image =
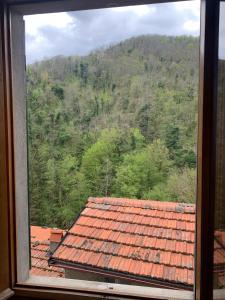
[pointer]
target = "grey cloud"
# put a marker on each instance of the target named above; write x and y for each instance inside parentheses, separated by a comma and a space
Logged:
(99, 28)
(168, 20)
(29, 38)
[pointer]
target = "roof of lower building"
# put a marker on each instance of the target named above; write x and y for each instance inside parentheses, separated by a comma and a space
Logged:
(146, 240)
(219, 258)
(40, 252)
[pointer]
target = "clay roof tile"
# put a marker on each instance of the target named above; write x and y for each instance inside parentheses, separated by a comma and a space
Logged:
(138, 237)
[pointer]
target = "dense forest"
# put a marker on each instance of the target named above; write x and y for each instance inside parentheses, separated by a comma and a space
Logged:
(118, 122)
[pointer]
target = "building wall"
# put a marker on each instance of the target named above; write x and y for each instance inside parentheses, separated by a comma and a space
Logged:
(75, 274)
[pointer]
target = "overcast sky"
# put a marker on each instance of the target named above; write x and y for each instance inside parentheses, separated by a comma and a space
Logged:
(78, 33)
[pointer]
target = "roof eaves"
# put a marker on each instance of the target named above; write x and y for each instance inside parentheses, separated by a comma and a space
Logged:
(121, 275)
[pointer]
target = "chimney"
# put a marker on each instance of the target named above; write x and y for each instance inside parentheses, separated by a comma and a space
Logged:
(55, 238)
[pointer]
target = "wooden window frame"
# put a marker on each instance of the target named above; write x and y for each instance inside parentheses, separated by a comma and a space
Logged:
(9, 283)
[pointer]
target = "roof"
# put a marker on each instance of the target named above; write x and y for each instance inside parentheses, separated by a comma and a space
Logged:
(40, 253)
(142, 239)
(219, 257)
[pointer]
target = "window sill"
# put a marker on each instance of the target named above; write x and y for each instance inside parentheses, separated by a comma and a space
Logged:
(219, 294)
(58, 287)
(6, 294)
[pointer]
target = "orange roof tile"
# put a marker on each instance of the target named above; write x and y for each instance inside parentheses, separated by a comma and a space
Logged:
(40, 252)
(147, 239)
(219, 257)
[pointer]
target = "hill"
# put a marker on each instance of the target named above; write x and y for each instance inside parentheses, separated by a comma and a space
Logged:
(119, 122)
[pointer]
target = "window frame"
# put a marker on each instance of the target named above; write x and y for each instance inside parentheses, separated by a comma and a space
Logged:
(206, 151)
(206, 161)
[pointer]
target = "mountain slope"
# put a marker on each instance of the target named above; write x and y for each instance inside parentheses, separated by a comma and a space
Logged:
(91, 118)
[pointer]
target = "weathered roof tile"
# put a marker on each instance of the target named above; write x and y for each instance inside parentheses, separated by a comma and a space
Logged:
(40, 253)
(143, 238)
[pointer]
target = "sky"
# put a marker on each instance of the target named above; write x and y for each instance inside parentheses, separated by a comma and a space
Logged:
(80, 32)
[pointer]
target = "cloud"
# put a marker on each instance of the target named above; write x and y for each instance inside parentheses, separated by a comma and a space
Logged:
(78, 33)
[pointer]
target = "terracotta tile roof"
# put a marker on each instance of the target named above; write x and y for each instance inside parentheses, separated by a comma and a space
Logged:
(142, 239)
(40, 253)
(219, 258)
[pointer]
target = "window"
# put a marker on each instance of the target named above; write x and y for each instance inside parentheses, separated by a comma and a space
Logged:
(113, 122)
(16, 58)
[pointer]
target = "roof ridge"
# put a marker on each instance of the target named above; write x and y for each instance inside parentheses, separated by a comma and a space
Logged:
(140, 213)
(145, 204)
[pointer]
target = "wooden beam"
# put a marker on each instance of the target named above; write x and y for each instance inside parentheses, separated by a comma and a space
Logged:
(29, 7)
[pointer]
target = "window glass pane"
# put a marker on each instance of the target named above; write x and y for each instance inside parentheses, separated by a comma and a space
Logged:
(219, 236)
(112, 116)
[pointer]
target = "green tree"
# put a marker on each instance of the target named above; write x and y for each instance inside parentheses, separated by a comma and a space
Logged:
(158, 192)
(99, 163)
(94, 123)
(181, 186)
(142, 170)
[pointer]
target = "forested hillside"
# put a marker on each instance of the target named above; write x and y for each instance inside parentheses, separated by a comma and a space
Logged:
(118, 122)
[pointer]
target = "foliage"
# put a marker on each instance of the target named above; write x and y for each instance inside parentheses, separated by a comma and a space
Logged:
(181, 186)
(117, 122)
(141, 170)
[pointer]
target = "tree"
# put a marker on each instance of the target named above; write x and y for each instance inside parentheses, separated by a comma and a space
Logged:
(142, 170)
(158, 192)
(181, 186)
(119, 121)
(58, 91)
(99, 163)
